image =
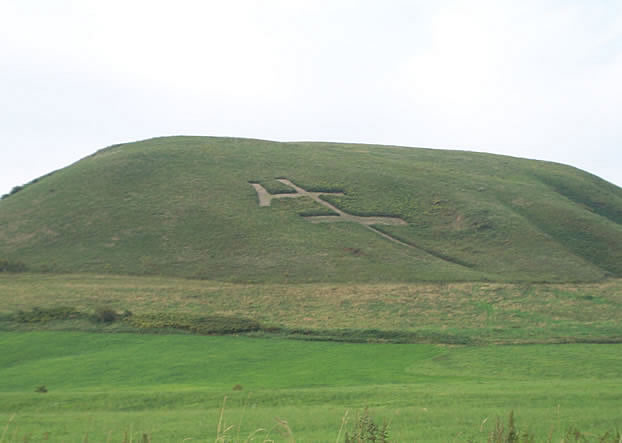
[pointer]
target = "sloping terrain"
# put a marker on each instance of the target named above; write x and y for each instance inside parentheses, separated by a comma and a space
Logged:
(189, 207)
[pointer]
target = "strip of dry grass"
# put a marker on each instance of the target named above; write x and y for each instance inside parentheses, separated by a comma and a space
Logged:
(488, 312)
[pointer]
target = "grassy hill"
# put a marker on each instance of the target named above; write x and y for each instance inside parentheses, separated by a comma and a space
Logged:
(186, 207)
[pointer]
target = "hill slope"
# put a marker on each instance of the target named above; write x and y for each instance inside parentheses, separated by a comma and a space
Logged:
(190, 207)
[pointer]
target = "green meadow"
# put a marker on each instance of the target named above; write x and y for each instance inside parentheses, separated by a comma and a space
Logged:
(149, 293)
(111, 387)
(547, 352)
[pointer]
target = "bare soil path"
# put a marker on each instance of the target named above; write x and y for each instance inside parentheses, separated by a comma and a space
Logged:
(265, 199)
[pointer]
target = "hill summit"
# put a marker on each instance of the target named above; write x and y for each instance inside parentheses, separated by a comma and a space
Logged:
(258, 211)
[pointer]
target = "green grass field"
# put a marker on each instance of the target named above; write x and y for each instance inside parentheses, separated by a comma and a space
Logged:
(501, 292)
(476, 313)
(172, 387)
(183, 206)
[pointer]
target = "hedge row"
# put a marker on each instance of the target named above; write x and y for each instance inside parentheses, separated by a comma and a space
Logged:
(206, 325)
(185, 322)
(12, 266)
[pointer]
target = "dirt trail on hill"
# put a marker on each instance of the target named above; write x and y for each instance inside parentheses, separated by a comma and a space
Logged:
(265, 199)
(342, 216)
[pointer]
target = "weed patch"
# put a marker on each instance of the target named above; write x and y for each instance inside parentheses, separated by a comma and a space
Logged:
(12, 266)
(366, 430)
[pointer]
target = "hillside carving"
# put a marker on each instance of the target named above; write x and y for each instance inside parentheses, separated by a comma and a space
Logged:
(265, 199)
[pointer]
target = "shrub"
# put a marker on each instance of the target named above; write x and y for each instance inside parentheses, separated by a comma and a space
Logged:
(12, 266)
(105, 315)
(16, 189)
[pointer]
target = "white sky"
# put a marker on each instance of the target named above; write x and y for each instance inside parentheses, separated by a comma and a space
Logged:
(536, 79)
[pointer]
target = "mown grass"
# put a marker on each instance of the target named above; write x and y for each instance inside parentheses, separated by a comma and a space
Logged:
(445, 313)
(183, 206)
(172, 387)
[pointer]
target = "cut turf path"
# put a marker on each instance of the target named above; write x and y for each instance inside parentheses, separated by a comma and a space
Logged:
(265, 199)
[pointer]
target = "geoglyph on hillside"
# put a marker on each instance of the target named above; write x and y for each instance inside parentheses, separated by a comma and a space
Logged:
(265, 199)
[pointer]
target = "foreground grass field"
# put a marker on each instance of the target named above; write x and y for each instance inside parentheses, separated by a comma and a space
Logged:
(107, 386)
(474, 313)
(115, 386)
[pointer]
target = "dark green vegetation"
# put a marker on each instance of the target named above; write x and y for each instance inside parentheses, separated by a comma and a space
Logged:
(172, 387)
(12, 266)
(183, 206)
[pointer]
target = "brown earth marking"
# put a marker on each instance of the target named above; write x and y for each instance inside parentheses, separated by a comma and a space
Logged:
(265, 199)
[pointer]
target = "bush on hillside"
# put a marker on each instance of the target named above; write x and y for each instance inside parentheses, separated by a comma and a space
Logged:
(15, 190)
(12, 266)
(105, 315)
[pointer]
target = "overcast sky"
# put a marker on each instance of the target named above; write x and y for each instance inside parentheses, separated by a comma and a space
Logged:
(536, 79)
